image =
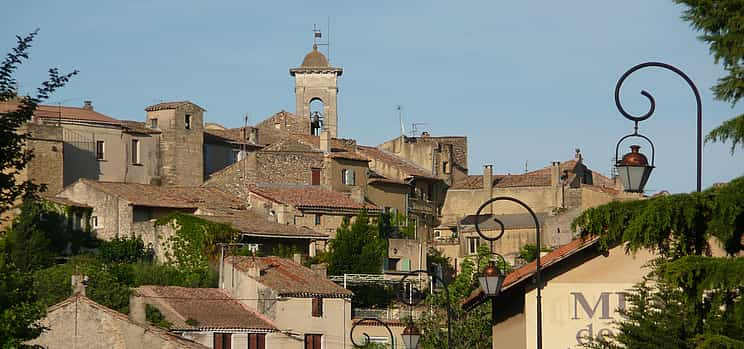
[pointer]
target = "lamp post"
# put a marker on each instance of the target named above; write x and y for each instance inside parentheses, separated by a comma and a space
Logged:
(634, 169)
(411, 333)
(492, 278)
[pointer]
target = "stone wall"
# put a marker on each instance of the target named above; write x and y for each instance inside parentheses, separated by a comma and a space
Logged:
(181, 148)
(283, 167)
(47, 165)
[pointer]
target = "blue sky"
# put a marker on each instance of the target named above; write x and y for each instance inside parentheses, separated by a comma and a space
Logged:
(526, 81)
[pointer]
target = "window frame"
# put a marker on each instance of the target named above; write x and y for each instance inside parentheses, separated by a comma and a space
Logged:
(348, 177)
(154, 123)
(471, 250)
(318, 219)
(317, 307)
(187, 120)
(259, 339)
(225, 340)
(135, 144)
(316, 339)
(101, 155)
(94, 222)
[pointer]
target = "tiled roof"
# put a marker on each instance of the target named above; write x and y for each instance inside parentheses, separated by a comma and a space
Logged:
(469, 182)
(347, 155)
(537, 178)
(176, 340)
(64, 113)
(228, 135)
(252, 223)
(172, 197)
(171, 105)
(404, 166)
(288, 278)
(510, 221)
(64, 202)
(138, 127)
(211, 308)
(307, 196)
(529, 269)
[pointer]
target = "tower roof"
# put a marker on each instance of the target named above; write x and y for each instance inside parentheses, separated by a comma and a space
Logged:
(315, 59)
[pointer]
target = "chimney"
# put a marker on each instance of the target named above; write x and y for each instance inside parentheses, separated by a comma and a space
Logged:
(578, 155)
(88, 105)
(357, 194)
(137, 311)
(487, 177)
(325, 141)
(555, 174)
(253, 135)
(297, 258)
(320, 269)
(79, 282)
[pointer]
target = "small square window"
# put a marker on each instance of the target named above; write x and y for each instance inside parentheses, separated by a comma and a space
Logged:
(347, 177)
(153, 123)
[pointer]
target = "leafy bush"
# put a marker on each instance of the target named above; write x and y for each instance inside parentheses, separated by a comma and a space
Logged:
(122, 250)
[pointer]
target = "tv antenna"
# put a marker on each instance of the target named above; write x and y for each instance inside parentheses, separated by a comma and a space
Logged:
(399, 108)
(318, 35)
(415, 128)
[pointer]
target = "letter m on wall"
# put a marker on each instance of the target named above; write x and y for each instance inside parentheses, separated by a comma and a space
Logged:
(602, 304)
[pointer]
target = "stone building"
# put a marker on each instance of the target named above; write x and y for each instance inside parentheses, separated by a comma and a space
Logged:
(444, 157)
(209, 316)
(316, 92)
(309, 309)
(79, 322)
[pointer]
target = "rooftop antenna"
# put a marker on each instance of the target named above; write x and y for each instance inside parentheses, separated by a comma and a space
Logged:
(399, 108)
(317, 35)
(526, 163)
(244, 148)
(414, 128)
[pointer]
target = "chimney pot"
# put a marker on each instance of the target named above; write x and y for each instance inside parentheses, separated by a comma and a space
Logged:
(88, 105)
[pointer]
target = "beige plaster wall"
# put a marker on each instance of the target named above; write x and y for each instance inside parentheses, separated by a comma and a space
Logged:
(413, 250)
(333, 170)
(114, 215)
(334, 325)
(379, 332)
(388, 195)
(79, 325)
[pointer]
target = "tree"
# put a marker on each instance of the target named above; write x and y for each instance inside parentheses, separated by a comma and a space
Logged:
(720, 21)
(14, 156)
(705, 292)
(357, 248)
(19, 308)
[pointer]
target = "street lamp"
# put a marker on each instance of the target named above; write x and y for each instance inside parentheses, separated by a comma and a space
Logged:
(491, 279)
(634, 169)
(411, 335)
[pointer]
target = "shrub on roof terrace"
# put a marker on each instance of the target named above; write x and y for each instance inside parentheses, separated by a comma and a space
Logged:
(194, 243)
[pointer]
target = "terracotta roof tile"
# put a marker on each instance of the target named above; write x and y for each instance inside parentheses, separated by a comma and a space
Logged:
(537, 178)
(347, 155)
(228, 135)
(65, 202)
(529, 269)
(171, 105)
(138, 127)
(211, 308)
(404, 166)
(64, 113)
(176, 340)
(252, 223)
(307, 196)
(288, 278)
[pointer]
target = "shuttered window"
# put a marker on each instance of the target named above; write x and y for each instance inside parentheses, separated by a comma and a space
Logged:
(256, 341)
(317, 307)
(222, 341)
(312, 341)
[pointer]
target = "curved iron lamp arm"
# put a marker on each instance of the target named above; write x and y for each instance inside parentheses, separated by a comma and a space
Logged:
(366, 336)
(652, 108)
(537, 255)
(446, 294)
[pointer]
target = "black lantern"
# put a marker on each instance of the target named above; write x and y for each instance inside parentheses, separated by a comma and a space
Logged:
(411, 336)
(634, 170)
(491, 279)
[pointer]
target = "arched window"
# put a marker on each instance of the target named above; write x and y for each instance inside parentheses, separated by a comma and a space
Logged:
(316, 116)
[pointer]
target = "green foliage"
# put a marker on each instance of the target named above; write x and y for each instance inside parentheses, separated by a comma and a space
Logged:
(469, 329)
(396, 226)
(675, 225)
(720, 24)
(528, 252)
(195, 241)
(14, 156)
(122, 250)
(357, 248)
(372, 296)
(19, 307)
(285, 251)
(155, 317)
(438, 262)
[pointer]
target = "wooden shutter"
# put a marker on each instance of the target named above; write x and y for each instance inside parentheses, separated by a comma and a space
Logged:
(315, 180)
(222, 341)
(317, 307)
(256, 341)
(312, 341)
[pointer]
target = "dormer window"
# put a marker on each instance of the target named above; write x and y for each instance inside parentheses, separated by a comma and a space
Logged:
(187, 121)
(347, 177)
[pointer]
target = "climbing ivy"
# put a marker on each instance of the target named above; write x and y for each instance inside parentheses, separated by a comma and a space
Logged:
(194, 242)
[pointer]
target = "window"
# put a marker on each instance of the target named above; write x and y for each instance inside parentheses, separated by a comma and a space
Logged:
(347, 177)
(445, 168)
(153, 123)
(317, 219)
(312, 341)
(187, 121)
(473, 243)
(100, 149)
(256, 341)
(135, 151)
(94, 222)
(315, 177)
(142, 214)
(317, 306)
(222, 341)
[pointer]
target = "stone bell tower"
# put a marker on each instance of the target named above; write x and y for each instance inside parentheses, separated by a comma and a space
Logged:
(316, 80)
